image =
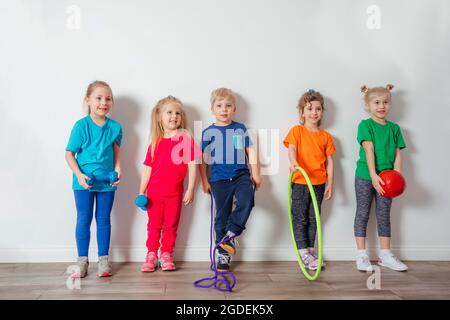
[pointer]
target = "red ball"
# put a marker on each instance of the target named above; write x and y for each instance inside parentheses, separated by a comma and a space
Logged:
(394, 183)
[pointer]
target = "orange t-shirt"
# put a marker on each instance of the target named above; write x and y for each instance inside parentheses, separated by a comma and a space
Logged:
(313, 148)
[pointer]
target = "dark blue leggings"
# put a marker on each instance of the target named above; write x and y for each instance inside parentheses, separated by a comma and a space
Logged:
(84, 200)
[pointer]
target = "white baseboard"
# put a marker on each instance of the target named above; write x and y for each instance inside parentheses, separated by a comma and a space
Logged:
(137, 254)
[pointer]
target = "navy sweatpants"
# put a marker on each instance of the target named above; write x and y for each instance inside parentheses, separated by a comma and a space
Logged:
(227, 219)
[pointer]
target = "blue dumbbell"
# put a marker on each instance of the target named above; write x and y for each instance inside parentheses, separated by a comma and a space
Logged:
(141, 202)
(111, 177)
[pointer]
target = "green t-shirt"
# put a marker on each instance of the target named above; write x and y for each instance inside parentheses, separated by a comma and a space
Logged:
(385, 138)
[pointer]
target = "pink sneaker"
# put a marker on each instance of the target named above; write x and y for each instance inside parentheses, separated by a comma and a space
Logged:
(151, 262)
(167, 262)
(312, 251)
(309, 261)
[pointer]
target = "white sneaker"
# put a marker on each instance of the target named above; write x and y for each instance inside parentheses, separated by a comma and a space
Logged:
(390, 261)
(363, 262)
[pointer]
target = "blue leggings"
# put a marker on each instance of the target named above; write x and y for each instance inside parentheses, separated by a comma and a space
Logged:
(84, 200)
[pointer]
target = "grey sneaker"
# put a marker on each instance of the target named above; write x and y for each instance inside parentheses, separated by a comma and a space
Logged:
(104, 269)
(83, 264)
(223, 262)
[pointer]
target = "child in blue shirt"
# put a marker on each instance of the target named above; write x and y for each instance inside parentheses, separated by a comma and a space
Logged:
(93, 149)
(228, 150)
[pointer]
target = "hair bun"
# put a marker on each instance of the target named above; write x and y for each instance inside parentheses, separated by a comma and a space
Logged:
(364, 89)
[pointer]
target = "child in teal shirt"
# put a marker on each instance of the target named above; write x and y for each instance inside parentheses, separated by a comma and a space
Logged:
(93, 149)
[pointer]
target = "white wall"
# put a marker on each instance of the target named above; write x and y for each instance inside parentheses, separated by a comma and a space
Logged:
(269, 52)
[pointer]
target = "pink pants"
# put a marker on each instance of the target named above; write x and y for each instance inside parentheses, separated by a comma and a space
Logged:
(163, 218)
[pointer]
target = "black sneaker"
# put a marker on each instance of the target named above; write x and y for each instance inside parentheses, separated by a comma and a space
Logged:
(223, 262)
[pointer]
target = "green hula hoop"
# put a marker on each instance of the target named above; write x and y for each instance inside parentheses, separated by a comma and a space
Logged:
(319, 225)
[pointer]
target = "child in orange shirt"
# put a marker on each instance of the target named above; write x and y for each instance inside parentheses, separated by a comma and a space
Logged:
(311, 148)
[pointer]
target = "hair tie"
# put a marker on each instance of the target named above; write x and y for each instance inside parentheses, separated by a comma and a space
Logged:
(311, 91)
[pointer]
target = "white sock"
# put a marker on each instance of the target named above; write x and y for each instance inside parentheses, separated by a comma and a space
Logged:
(230, 234)
(384, 252)
(362, 252)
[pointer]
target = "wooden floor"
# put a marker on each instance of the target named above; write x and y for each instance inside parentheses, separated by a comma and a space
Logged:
(255, 280)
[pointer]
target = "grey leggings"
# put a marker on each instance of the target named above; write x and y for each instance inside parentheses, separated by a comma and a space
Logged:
(364, 196)
(303, 217)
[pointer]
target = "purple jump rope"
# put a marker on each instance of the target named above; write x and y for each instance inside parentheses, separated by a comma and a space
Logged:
(219, 277)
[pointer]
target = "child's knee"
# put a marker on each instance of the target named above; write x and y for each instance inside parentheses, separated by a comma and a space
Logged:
(247, 203)
(84, 222)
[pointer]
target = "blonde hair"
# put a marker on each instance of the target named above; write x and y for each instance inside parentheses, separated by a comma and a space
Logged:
(370, 92)
(157, 130)
(92, 86)
(306, 99)
(222, 93)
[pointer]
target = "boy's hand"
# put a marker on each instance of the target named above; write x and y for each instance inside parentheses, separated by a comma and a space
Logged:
(328, 192)
(188, 197)
(257, 180)
(377, 182)
(293, 168)
(82, 180)
(119, 177)
(206, 187)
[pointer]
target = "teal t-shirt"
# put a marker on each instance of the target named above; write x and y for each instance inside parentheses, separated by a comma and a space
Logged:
(94, 149)
(385, 138)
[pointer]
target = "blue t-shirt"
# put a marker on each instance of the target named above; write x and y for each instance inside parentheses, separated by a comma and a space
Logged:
(226, 147)
(94, 149)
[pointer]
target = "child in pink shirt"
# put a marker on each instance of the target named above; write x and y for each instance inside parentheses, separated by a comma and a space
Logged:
(170, 156)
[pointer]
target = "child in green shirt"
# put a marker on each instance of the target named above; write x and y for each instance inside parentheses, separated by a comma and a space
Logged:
(380, 144)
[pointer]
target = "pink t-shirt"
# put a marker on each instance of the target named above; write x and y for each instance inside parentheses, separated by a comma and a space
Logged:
(169, 164)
